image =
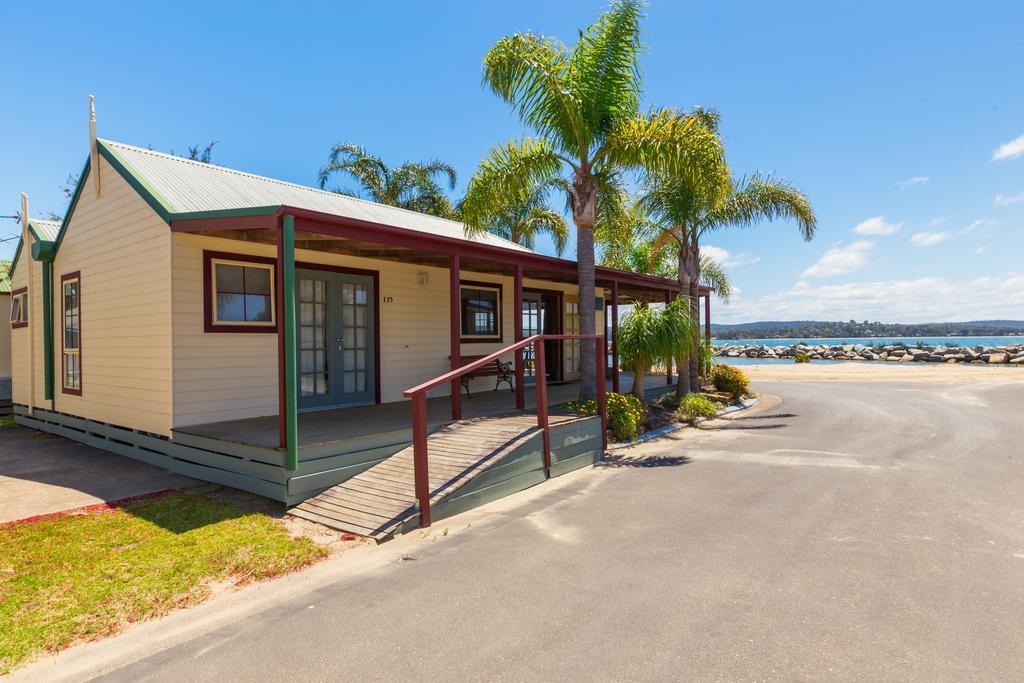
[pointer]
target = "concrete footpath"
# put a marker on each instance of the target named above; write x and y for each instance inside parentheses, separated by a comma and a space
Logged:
(41, 474)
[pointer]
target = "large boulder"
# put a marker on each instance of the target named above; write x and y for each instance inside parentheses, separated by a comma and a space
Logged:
(998, 357)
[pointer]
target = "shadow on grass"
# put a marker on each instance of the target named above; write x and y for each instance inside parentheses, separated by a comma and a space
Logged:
(623, 460)
(180, 512)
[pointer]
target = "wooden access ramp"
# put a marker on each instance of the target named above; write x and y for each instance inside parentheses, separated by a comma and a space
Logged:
(470, 463)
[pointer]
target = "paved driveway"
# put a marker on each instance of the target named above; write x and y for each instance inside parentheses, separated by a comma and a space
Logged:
(870, 531)
(41, 473)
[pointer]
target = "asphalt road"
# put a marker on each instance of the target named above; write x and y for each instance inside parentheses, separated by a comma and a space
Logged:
(868, 531)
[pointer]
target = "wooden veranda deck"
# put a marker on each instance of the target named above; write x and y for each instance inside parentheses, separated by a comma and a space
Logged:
(341, 424)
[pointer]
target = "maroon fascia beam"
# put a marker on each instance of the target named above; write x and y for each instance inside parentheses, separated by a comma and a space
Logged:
(368, 231)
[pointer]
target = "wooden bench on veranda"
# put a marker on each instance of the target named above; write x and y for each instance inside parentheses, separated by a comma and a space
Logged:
(501, 370)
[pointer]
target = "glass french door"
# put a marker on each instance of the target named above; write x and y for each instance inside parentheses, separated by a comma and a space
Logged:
(532, 324)
(336, 344)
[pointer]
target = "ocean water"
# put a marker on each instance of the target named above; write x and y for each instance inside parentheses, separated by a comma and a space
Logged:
(879, 341)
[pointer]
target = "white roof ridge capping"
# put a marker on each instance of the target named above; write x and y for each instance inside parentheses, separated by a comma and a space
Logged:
(48, 228)
(188, 186)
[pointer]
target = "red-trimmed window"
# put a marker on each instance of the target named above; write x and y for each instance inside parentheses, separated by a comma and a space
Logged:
(480, 307)
(71, 350)
(239, 293)
(19, 308)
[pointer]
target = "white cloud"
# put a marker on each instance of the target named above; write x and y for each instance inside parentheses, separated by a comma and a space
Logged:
(1007, 200)
(936, 222)
(841, 260)
(981, 250)
(1011, 150)
(877, 226)
(927, 239)
(916, 180)
(980, 223)
(727, 259)
(927, 299)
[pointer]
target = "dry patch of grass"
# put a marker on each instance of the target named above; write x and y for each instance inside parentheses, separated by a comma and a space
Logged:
(81, 577)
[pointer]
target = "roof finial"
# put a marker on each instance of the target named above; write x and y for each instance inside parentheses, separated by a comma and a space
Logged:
(94, 157)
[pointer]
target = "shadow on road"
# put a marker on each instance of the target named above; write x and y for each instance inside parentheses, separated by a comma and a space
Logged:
(617, 460)
(739, 422)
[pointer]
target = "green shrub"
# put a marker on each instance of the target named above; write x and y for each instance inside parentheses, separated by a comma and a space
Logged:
(730, 379)
(696, 405)
(668, 401)
(802, 357)
(625, 414)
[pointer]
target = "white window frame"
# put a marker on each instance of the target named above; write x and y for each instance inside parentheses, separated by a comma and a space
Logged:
(215, 314)
(21, 299)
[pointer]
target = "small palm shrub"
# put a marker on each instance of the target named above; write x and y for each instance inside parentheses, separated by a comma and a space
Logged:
(730, 379)
(706, 360)
(696, 405)
(625, 414)
(802, 357)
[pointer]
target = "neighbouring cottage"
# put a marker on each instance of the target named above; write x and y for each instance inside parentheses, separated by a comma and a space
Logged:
(151, 323)
(5, 337)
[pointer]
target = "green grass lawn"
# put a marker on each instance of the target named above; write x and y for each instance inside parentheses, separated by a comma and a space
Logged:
(81, 577)
(6, 421)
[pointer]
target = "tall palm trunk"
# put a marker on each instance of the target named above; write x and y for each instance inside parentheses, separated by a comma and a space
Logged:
(694, 362)
(639, 379)
(683, 382)
(584, 215)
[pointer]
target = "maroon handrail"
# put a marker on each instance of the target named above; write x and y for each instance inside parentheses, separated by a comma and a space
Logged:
(418, 394)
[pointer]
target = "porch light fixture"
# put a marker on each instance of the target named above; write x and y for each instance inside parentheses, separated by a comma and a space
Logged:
(424, 277)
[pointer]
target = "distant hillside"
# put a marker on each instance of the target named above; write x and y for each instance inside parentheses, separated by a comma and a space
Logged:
(774, 329)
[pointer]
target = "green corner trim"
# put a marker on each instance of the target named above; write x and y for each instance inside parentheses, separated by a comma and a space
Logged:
(74, 203)
(14, 261)
(288, 328)
(145, 190)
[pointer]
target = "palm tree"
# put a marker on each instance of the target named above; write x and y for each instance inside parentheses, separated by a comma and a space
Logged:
(412, 185)
(634, 247)
(582, 105)
(522, 220)
(688, 212)
(648, 335)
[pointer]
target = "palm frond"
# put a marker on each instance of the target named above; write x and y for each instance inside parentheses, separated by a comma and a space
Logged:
(509, 174)
(713, 275)
(668, 142)
(755, 198)
(543, 221)
(605, 68)
(530, 73)
(370, 171)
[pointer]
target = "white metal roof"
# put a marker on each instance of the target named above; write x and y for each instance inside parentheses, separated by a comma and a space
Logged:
(46, 230)
(186, 186)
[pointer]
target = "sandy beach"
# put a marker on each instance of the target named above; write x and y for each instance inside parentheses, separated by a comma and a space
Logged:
(881, 371)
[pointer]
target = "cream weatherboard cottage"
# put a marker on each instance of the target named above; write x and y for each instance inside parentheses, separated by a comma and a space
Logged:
(155, 322)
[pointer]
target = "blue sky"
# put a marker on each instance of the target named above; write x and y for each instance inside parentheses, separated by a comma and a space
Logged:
(889, 115)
